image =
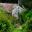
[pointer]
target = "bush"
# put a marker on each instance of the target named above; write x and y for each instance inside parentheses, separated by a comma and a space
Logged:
(8, 22)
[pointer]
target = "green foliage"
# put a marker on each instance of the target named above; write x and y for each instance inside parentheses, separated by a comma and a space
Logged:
(27, 15)
(26, 21)
(8, 22)
(5, 21)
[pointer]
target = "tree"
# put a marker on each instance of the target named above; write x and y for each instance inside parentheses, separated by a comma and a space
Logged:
(26, 3)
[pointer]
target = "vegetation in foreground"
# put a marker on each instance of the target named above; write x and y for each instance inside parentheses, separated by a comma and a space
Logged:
(9, 23)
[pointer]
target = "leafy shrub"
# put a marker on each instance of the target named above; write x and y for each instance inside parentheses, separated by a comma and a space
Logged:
(8, 23)
(26, 21)
(5, 21)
